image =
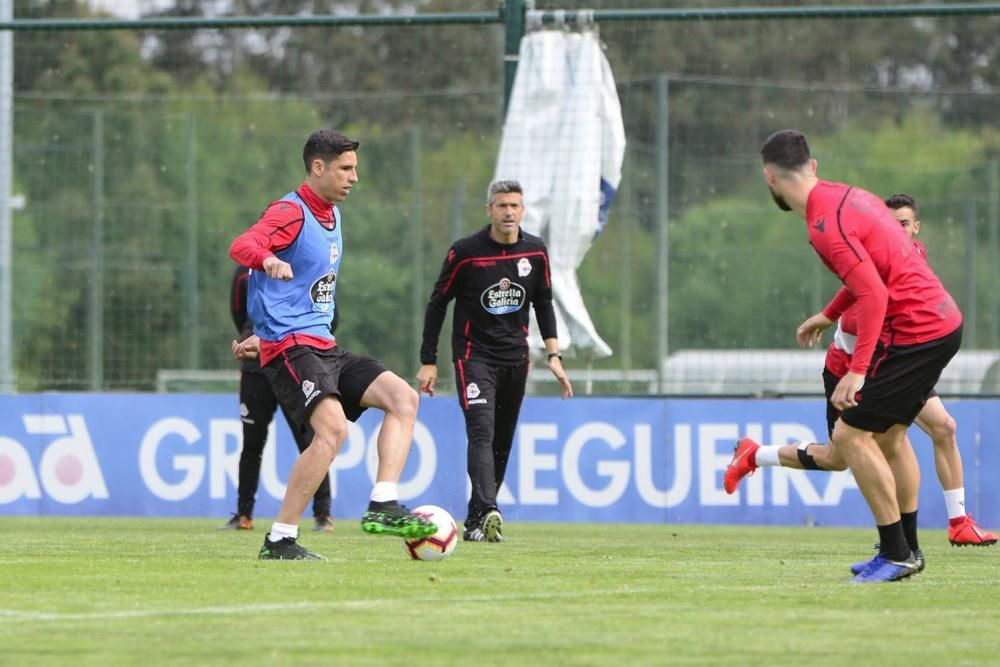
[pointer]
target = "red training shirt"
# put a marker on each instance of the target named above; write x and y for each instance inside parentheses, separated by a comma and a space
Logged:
(838, 361)
(898, 297)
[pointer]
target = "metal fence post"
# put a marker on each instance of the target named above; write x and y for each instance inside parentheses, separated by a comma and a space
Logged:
(95, 309)
(513, 19)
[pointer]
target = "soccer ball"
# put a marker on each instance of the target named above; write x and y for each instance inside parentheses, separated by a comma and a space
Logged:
(441, 544)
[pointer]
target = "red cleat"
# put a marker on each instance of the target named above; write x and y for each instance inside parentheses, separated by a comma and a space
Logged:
(744, 463)
(963, 531)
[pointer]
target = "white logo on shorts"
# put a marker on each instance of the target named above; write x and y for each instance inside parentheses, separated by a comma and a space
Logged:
(309, 389)
(472, 390)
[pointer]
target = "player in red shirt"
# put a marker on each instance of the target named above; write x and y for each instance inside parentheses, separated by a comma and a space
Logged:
(933, 418)
(909, 328)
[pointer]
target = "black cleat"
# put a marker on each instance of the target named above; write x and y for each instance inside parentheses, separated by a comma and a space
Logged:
(473, 535)
(391, 518)
(285, 549)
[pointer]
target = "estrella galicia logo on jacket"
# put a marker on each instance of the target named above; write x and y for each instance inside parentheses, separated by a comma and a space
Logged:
(310, 390)
(321, 292)
(503, 297)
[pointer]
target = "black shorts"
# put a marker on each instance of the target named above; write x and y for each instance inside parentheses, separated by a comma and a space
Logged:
(899, 381)
(302, 375)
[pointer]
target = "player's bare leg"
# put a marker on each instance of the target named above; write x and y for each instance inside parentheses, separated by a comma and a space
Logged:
(935, 421)
(385, 516)
(330, 427)
(905, 470)
(397, 399)
(871, 471)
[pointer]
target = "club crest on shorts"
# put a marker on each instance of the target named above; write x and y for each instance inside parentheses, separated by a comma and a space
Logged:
(503, 297)
(310, 391)
(472, 390)
(523, 267)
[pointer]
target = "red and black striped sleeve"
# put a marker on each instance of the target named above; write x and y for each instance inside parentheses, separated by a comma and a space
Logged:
(276, 229)
(545, 313)
(437, 306)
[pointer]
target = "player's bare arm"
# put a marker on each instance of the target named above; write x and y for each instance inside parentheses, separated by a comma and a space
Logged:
(810, 331)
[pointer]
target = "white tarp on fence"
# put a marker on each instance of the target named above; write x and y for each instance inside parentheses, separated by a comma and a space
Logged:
(564, 140)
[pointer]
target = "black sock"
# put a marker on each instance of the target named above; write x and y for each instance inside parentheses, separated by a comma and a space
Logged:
(909, 520)
(893, 541)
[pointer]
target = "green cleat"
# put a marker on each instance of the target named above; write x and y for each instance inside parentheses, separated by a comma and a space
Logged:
(391, 518)
(286, 549)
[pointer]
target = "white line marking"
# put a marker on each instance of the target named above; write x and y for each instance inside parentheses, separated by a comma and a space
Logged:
(9, 616)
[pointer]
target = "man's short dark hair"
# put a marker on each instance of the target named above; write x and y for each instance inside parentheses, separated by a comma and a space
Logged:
(502, 187)
(786, 149)
(901, 200)
(326, 145)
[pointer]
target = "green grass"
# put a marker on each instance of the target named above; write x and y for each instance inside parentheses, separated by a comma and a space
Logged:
(177, 592)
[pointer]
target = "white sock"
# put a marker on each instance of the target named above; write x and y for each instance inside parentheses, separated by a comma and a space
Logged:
(954, 500)
(282, 530)
(384, 492)
(768, 455)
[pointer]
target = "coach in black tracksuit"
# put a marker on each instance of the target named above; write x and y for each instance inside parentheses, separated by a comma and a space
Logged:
(257, 406)
(493, 276)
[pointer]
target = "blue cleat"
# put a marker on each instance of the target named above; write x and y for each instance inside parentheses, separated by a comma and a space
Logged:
(859, 567)
(880, 570)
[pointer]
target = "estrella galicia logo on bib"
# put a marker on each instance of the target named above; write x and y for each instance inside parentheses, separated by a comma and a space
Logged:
(321, 292)
(503, 297)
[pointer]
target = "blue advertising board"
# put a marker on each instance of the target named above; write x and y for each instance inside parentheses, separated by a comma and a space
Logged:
(585, 459)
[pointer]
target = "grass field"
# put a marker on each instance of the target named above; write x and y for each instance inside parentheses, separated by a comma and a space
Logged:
(177, 592)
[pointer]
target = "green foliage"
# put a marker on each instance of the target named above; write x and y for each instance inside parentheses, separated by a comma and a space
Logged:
(742, 273)
(173, 142)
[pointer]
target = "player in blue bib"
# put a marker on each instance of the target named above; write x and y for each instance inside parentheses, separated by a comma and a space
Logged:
(294, 253)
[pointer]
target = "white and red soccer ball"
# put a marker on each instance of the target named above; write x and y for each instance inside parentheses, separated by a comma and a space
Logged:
(441, 544)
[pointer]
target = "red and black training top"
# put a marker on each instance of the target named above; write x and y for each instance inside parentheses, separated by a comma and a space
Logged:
(899, 299)
(492, 284)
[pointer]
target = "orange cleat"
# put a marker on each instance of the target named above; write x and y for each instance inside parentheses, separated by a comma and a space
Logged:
(744, 463)
(238, 522)
(963, 531)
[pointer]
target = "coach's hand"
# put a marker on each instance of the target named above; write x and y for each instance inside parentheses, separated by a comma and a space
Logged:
(427, 377)
(277, 269)
(566, 387)
(810, 331)
(845, 393)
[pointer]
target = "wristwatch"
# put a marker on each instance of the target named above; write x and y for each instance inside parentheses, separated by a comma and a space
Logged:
(555, 354)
